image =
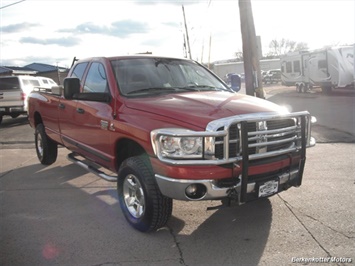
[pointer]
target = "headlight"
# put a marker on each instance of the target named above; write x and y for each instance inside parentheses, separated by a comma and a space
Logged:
(191, 145)
(181, 147)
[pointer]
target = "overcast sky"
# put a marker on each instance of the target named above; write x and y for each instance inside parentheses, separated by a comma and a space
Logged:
(53, 32)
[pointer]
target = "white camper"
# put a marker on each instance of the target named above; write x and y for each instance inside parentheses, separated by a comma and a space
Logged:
(326, 68)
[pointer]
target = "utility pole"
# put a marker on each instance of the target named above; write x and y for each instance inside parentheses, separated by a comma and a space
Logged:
(184, 46)
(209, 52)
(187, 34)
(253, 80)
(58, 74)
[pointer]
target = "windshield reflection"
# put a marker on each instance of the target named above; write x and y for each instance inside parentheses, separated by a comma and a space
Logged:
(149, 76)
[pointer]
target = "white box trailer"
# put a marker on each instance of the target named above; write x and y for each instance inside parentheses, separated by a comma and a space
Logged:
(327, 68)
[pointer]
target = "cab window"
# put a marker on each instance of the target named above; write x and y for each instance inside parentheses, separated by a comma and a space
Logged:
(96, 79)
(79, 70)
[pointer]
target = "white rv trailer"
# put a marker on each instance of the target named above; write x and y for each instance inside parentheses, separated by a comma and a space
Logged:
(326, 68)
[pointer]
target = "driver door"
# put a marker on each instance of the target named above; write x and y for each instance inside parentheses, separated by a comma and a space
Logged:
(94, 118)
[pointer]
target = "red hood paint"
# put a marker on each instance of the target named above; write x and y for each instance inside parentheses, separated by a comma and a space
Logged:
(199, 108)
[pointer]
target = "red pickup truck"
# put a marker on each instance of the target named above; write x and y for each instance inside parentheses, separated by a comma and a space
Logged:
(166, 129)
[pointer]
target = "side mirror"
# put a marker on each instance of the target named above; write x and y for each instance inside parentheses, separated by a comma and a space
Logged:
(57, 90)
(235, 82)
(71, 87)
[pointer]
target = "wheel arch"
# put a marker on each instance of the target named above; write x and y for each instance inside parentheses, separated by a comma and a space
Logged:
(37, 119)
(126, 148)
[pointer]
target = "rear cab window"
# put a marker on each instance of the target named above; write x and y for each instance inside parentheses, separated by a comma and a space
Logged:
(7, 84)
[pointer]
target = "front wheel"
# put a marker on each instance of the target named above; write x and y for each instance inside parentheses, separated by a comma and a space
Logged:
(141, 201)
(46, 149)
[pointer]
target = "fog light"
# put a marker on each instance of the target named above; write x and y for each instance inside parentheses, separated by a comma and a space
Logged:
(191, 190)
(195, 191)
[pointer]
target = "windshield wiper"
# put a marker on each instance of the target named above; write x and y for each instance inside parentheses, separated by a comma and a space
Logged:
(205, 87)
(201, 86)
(176, 89)
(153, 89)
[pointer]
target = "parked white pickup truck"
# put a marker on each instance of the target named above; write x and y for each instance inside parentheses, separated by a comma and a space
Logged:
(14, 91)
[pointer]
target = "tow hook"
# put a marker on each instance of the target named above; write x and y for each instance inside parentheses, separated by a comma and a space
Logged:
(233, 194)
(232, 199)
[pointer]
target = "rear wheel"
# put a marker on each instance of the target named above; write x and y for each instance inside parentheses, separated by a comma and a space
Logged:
(46, 149)
(15, 115)
(299, 88)
(304, 88)
(141, 201)
(327, 89)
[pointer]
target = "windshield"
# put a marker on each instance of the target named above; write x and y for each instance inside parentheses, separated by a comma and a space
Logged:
(149, 76)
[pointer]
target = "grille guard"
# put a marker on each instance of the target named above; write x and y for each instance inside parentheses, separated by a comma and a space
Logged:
(302, 140)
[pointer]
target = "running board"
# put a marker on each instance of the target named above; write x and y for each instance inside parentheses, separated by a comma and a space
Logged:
(91, 169)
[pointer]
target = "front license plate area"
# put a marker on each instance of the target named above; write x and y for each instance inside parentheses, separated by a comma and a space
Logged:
(268, 188)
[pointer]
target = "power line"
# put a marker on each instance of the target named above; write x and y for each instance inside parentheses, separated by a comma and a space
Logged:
(12, 4)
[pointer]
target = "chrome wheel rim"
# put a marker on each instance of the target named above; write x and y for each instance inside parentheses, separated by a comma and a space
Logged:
(39, 145)
(134, 196)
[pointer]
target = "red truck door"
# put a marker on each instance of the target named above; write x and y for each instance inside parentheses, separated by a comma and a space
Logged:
(68, 127)
(51, 116)
(94, 118)
(67, 110)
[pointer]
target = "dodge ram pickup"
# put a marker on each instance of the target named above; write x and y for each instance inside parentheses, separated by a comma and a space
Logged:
(168, 128)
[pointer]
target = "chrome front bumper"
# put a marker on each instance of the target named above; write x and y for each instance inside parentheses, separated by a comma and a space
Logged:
(176, 188)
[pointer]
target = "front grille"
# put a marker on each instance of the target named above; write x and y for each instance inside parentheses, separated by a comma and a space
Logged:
(263, 137)
(234, 142)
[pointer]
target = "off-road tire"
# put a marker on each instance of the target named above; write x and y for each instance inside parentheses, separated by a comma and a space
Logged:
(155, 208)
(46, 149)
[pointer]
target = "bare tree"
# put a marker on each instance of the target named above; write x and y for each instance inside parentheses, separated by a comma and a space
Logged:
(301, 46)
(283, 46)
(239, 56)
(275, 47)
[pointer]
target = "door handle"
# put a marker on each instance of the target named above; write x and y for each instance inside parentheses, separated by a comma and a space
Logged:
(61, 106)
(80, 110)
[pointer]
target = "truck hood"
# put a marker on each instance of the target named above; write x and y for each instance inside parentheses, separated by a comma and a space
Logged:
(199, 108)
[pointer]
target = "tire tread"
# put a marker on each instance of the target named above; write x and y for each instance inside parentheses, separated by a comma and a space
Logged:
(50, 148)
(161, 206)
